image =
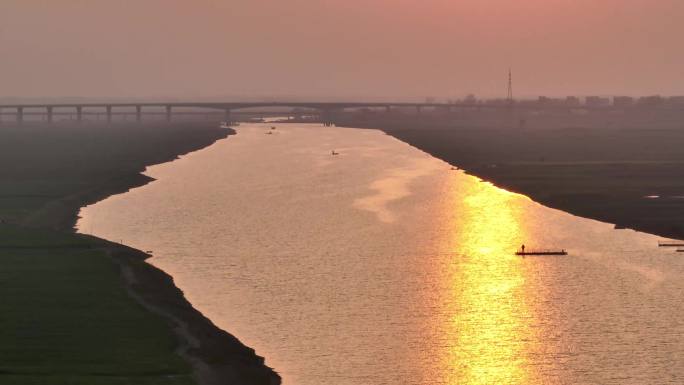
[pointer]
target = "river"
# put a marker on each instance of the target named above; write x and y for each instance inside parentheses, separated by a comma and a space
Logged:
(383, 265)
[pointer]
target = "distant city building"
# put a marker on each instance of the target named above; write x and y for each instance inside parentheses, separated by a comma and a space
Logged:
(676, 101)
(572, 101)
(526, 102)
(651, 101)
(597, 101)
(470, 99)
(546, 101)
(623, 101)
(497, 102)
(560, 102)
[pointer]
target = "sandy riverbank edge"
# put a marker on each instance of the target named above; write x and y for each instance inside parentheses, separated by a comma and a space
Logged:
(669, 226)
(216, 356)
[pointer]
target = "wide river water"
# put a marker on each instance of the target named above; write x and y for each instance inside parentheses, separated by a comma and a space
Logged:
(383, 265)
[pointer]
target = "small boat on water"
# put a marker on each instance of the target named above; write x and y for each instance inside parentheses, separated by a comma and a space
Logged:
(524, 252)
(670, 244)
(334, 153)
(680, 250)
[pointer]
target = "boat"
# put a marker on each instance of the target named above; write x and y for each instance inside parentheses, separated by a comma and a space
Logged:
(334, 153)
(670, 244)
(541, 252)
(680, 250)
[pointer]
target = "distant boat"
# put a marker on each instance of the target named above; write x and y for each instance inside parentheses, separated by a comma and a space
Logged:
(670, 244)
(273, 128)
(680, 250)
(334, 153)
(541, 252)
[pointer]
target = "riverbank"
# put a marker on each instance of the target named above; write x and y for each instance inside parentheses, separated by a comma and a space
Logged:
(632, 178)
(72, 303)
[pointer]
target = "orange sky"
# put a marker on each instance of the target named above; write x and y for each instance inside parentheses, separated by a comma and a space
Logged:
(339, 48)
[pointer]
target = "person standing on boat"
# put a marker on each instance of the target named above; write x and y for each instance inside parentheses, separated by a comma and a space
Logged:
(522, 248)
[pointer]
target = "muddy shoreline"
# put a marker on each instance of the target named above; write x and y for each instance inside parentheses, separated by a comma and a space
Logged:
(216, 356)
(629, 173)
(631, 178)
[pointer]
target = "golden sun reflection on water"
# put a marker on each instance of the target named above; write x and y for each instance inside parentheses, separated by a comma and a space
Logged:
(490, 317)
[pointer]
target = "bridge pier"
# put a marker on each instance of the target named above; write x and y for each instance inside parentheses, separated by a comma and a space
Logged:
(388, 109)
(49, 114)
(109, 113)
(419, 110)
(20, 115)
(168, 113)
(79, 113)
(138, 113)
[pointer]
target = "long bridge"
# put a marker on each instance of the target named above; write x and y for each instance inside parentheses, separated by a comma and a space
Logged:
(326, 109)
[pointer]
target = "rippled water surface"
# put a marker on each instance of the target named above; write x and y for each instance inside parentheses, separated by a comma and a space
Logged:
(382, 265)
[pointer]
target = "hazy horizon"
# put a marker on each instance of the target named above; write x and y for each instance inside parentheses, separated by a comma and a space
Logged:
(338, 49)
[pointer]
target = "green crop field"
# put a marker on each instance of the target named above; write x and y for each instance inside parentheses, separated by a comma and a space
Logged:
(65, 315)
(67, 319)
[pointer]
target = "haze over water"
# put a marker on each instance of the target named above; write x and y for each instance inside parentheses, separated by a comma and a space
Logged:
(383, 266)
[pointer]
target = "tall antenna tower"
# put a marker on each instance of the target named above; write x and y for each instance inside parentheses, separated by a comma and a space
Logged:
(509, 97)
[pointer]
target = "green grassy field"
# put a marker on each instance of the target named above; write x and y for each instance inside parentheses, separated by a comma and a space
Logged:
(65, 315)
